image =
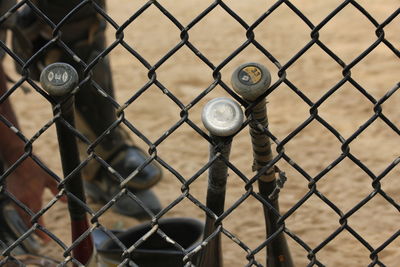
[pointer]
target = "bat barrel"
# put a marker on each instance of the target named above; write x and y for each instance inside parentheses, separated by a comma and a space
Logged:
(59, 80)
(223, 118)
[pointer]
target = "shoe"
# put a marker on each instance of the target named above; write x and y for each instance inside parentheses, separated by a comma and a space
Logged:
(31, 260)
(105, 186)
(125, 205)
(126, 161)
(12, 227)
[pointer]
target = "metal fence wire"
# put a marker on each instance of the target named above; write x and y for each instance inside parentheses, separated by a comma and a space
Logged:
(328, 233)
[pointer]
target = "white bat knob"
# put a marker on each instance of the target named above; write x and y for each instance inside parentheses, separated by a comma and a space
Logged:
(222, 116)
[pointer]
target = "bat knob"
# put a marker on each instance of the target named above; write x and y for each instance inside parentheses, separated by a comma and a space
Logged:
(59, 79)
(222, 116)
(250, 80)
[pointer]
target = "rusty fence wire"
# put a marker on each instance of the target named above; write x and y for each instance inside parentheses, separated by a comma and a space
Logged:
(10, 250)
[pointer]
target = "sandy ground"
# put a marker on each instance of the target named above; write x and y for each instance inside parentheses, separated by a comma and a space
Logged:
(283, 34)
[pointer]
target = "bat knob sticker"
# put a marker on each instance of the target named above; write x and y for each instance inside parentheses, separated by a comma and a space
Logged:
(250, 80)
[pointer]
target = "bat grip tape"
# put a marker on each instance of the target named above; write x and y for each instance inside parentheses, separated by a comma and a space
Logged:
(261, 143)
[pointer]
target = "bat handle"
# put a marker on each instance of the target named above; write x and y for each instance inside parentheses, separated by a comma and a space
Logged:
(251, 80)
(211, 255)
(278, 254)
(59, 80)
(223, 118)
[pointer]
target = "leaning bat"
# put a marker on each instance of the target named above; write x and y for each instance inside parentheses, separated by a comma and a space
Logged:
(222, 117)
(59, 79)
(251, 80)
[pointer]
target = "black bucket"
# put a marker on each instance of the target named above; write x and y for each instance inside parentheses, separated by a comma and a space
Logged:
(155, 251)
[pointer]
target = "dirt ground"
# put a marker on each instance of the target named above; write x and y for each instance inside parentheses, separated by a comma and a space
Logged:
(283, 34)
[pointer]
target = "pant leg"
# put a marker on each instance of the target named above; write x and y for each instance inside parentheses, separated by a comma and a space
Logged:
(84, 34)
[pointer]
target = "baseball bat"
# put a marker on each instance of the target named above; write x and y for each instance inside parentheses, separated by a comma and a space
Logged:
(251, 80)
(58, 80)
(222, 117)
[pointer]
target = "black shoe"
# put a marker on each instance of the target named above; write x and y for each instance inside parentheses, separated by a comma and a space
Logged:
(105, 186)
(12, 227)
(126, 161)
(125, 205)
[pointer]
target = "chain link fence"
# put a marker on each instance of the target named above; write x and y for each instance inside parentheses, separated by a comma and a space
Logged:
(333, 112)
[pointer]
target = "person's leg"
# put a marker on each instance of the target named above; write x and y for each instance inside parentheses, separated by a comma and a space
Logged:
(27, 181)
(84, 34)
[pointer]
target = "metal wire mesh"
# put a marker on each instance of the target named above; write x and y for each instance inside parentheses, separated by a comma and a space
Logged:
(305, 252)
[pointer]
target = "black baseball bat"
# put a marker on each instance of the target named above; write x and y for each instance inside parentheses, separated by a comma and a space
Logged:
(222, 117)
(59, 79)
(251, 80)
